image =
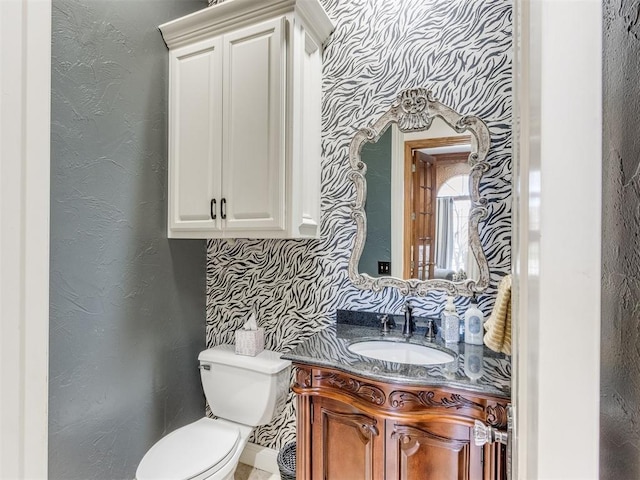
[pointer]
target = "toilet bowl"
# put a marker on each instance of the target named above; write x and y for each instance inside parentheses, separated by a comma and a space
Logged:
(243, 392)
(205, 449)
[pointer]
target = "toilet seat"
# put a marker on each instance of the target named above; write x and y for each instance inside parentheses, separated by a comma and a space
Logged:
(193, 452)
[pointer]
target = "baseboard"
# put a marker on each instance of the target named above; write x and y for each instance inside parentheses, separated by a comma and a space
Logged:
(260, 457)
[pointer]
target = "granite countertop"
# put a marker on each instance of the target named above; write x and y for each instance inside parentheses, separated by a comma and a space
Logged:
(475, 367)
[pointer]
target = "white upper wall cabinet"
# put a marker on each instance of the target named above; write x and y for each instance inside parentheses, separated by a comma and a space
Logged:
(244, 119)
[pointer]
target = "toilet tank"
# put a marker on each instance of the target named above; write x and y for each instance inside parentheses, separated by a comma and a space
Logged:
(243, 389)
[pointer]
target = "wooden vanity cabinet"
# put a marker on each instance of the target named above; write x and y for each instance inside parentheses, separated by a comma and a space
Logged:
(355, 428)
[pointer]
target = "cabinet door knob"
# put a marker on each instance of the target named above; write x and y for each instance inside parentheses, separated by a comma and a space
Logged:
(212, 209)
(223, 208)
(483, 434)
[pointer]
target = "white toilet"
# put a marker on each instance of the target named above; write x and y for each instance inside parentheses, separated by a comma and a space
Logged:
(243, 392)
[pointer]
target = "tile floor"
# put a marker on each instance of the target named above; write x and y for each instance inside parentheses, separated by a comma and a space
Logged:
(247, 472)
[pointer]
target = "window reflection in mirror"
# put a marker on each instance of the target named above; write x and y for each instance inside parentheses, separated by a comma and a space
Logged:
(418, 205)
(452, 222)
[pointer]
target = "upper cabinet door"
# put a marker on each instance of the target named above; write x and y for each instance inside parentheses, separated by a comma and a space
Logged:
(195, 105)
(253, 145)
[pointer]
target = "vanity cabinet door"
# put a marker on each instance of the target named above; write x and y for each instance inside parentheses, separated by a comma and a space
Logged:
(434, 450)
(346, 443)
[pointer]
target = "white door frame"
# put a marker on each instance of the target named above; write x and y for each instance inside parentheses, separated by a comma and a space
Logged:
(25, 93)
(557, 237)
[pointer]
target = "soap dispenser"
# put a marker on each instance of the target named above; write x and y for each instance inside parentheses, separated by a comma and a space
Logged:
(473, 324)
(450, 323)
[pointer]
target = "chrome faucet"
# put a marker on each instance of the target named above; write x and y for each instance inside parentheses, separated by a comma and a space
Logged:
(409, 324)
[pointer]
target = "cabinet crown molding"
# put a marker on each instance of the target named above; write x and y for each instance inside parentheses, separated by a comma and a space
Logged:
(231, 14)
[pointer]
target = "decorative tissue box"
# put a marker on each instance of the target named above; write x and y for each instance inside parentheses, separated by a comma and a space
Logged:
(249, 342)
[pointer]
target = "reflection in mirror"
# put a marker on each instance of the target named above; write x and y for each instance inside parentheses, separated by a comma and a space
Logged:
(435, 209)
(419, 227)
(453, 258)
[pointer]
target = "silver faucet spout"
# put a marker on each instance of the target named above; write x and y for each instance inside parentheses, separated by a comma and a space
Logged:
(409, 324)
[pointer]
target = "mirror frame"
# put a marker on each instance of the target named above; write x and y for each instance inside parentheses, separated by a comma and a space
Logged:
(413, 110)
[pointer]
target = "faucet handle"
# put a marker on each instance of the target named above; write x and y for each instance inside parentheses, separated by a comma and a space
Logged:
(432, 329)
(385, 324)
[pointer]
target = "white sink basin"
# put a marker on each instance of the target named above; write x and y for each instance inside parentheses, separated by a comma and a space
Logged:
(400, 352)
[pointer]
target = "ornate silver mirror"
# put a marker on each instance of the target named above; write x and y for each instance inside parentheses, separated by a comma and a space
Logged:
(424, 162)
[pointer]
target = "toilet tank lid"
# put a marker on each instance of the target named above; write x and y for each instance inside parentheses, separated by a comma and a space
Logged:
(267, 361)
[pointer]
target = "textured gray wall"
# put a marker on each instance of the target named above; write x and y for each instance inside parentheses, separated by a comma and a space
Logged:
(127, 305)
(620, 355)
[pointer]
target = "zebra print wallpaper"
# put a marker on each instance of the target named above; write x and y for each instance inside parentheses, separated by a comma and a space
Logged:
(462, 50)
